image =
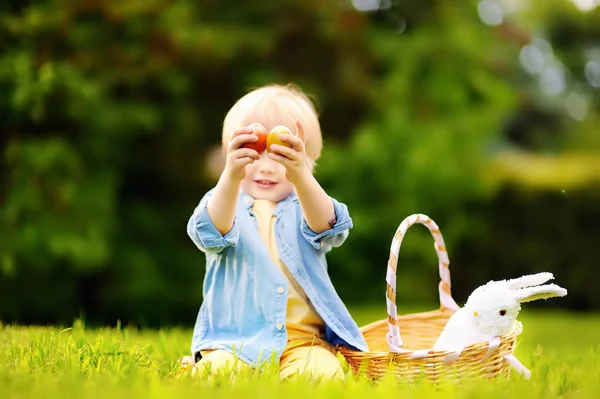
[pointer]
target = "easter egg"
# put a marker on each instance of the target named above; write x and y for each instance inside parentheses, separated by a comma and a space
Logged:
(260, 144)
(274, 137)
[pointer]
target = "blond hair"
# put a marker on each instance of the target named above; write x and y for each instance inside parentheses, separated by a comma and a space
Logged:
(273, 105)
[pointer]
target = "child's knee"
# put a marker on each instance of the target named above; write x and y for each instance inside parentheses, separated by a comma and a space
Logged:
(219, 361)
(315, 362)
(329, 367)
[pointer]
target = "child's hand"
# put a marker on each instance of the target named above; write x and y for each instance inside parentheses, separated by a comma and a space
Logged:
(294, 158)
(237, 157)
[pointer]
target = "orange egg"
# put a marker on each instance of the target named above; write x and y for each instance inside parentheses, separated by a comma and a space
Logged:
(260, 144)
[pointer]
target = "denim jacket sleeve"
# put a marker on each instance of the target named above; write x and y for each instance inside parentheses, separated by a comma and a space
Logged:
(205, 235)
(333, 237)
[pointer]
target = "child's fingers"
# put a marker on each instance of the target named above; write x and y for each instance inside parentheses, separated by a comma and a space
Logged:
(284, 151)
(240, 130)
(295, 141)
(241, 134)
(241, 139)
(242, 162)
(245, 153)
(280, 158)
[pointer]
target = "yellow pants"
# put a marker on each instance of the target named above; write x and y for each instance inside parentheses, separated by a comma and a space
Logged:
(316, 361)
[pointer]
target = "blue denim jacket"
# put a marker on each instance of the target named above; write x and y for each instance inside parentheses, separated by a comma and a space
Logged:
(244, 308)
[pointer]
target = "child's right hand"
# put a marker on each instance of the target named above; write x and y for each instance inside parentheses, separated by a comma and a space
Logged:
(238, 157)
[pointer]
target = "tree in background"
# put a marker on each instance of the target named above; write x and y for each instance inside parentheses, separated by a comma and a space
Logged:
(111, 112)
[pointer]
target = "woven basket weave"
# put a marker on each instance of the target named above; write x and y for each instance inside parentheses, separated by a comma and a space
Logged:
(408, 355)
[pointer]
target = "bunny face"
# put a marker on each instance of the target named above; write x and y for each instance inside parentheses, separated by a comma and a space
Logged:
(494, 308)
(495, 305)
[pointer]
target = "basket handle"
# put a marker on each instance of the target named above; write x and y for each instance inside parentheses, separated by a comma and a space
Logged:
(393, 338)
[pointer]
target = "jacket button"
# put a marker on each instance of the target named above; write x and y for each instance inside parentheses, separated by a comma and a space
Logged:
(279, 326)
(280, 290)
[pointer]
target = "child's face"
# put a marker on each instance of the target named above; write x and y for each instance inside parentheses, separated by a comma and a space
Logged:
(265, 179)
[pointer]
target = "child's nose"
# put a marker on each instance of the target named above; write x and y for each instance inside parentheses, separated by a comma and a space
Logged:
(266, 164)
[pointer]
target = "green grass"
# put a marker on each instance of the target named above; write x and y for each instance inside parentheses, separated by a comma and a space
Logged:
(561, 349)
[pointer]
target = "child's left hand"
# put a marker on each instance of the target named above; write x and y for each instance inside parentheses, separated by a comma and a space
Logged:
(294, 158)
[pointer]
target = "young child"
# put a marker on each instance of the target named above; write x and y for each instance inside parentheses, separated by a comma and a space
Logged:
(265, 229)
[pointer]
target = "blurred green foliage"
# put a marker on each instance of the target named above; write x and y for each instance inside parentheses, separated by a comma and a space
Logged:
(111, 111)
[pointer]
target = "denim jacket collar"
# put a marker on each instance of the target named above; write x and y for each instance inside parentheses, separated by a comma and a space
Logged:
(281, 205)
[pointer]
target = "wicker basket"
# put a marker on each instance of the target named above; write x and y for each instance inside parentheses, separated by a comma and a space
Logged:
(409, 356)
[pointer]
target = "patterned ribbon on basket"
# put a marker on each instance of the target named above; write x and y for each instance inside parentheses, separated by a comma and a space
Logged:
(517, 365)
(493, 344)
(393, 337)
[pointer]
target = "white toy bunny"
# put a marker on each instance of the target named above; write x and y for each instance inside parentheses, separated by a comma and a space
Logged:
(491, 311)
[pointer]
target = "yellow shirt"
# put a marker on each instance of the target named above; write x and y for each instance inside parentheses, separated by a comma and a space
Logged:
(302, 320)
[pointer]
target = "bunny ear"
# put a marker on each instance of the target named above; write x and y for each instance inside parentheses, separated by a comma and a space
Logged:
(530, 280)
(540, 292)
